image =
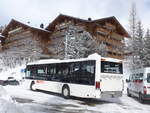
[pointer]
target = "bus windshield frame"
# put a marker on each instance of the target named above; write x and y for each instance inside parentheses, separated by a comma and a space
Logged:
(111, 67)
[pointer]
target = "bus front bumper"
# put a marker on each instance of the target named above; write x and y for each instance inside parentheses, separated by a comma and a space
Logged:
(111, 94)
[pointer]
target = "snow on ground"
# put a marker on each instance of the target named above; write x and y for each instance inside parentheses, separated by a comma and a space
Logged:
(19, 99)
(43, 102)
(7, 105)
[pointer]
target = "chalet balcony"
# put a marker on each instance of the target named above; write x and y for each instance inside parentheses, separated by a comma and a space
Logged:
(110, 41)
(103, 30)
(115, 56)
(117, 36)
(110, 48)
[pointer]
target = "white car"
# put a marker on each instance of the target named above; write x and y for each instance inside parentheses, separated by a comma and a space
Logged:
(139, 84)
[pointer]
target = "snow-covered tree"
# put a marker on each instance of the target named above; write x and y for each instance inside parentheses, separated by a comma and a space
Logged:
(26, 49)
(102, 49)
(136, 43)
(79, 43)
(146, 50)
(133, 20)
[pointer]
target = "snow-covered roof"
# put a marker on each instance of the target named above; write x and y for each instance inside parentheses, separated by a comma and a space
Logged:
(14, 22)
(63, 17)
(40, 29)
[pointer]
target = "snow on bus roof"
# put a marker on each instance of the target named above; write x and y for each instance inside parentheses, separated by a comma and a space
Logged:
(97, 56)
(47, 61)
(111, 59)
(94, 56)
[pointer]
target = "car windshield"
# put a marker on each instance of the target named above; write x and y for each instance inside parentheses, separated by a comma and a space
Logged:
(148, 77)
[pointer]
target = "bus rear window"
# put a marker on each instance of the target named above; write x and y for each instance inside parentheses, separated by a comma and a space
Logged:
(111, 67)
(148, 77)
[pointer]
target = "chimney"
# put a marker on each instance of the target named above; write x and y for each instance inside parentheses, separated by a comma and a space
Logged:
(89, 19)
(42, 26)
(28, 22)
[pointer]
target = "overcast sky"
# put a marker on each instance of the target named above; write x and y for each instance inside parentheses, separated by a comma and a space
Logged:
(44, 11)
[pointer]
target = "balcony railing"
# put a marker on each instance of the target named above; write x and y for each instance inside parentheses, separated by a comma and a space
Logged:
(110, 41)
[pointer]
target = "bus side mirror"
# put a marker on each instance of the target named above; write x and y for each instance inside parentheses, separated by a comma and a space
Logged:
(127, 80)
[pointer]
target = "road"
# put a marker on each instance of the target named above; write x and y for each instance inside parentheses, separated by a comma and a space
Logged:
(44, 102)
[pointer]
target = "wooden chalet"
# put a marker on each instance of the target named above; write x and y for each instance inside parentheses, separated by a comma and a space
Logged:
(106, 30)
(19, 39)
(24, 40)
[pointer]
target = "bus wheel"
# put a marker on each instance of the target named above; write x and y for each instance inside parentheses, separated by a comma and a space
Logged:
(32, 87)
(141, 98)
(128, 93)
(66, 92)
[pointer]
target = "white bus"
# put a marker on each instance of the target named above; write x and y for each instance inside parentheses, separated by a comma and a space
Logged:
(139, 84)
(92, 77)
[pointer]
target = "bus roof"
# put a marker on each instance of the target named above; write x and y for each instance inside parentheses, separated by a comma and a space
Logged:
(94, 56)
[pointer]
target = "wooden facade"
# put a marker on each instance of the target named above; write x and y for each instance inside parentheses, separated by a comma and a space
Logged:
(107, 30)
(25, 40)
(22, 40)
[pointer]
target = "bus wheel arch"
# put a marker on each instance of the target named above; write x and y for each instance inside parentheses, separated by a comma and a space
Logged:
(32, 86)
(66, 91)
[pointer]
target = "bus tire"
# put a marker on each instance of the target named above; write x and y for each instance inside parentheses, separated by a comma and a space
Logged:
(32, 86)
(141, 98)
(66, 92)
(128, 93)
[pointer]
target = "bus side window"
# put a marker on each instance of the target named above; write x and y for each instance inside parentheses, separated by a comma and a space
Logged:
(74, 72)
(83, 72)
(33, 71)
(88, 72)
(65, 72)
(51, 72)
(41, 71)
(58, 75)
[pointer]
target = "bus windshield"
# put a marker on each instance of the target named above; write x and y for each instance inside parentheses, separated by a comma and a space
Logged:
(111, 67)
(148, 77)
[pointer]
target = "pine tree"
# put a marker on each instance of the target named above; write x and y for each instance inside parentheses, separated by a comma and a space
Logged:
(139, 45)
(132, 46)
(146, 50)
(136, 43)
(133, 20)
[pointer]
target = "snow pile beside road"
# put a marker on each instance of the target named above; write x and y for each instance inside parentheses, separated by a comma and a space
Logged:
(6, 103)
(4, 95)
(16, 72)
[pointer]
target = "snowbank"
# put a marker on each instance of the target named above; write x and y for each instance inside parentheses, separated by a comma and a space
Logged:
(4, 95)
(15, 72)
(6, 103)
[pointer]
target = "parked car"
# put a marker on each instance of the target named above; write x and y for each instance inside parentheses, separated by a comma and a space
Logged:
(139, 84)
(2, 82)
(9, 81)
